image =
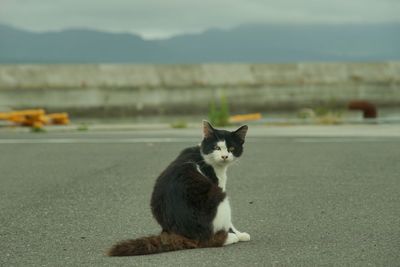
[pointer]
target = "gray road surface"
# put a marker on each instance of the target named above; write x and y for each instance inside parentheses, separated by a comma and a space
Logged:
(306, 201)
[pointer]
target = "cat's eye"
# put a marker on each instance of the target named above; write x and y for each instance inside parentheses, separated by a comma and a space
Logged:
(217, 148)
(231, 149)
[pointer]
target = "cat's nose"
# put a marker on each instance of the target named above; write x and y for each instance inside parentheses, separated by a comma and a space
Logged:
(224, 157)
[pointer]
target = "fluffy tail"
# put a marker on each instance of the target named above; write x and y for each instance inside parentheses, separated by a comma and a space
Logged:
(163, 243)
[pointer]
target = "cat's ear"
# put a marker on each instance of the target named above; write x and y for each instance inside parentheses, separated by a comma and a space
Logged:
(241, 132)
(208, 130)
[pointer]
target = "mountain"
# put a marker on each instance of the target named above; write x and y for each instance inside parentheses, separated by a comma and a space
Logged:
(73, 46)
(247, 43)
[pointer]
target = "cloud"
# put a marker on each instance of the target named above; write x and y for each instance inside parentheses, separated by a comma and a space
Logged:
(160, 18)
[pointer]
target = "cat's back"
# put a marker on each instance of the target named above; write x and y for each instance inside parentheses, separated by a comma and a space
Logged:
(186, 159)
(170, 187)
(189, 154)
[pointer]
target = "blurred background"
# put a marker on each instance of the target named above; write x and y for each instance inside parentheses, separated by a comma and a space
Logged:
(175, 62)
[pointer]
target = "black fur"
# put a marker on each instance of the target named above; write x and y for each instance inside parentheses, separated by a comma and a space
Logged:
(185, 201)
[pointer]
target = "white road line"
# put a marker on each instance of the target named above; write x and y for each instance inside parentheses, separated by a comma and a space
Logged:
(97, 140)
(340, 140)
(140, 140)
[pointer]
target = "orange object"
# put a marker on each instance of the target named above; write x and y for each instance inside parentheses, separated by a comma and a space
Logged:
(59, 118)
(245, 117)
(18, 114)
(37, 124)
(35, 118)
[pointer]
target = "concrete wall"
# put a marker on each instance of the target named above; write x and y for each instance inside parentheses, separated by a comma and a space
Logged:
(173, 89)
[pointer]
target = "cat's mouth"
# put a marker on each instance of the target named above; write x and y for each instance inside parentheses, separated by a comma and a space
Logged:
(224, 161)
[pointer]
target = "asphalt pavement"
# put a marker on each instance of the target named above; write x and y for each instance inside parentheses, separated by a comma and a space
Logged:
(305, 199)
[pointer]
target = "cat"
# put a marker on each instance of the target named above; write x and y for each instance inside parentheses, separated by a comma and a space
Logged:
(189, 198)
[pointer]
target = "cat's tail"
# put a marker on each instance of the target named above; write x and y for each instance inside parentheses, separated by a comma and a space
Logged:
(163, 243)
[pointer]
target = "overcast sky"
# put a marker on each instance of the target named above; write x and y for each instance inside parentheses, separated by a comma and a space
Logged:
(163, 18)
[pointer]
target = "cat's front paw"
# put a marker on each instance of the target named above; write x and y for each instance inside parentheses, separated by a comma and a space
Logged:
(243, 236)
(231, 239)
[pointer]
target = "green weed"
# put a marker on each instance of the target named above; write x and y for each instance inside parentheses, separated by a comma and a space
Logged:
(218, 114)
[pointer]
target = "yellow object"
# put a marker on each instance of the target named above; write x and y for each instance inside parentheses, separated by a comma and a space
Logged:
(18, 114)
(35, 118)
(59, 118)
(245, 117)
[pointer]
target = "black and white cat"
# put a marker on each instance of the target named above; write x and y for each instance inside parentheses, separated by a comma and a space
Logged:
(189, 198)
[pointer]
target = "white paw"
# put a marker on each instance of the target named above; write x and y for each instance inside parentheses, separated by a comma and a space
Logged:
(231, 239)
(243, 236)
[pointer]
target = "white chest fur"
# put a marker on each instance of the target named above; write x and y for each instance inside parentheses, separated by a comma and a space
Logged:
(222, 220)
(220, 172)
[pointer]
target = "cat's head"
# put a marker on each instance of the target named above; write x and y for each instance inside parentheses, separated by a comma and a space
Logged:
(220, 147)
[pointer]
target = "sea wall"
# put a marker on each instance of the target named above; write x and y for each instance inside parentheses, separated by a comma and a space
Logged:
(110, 90)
